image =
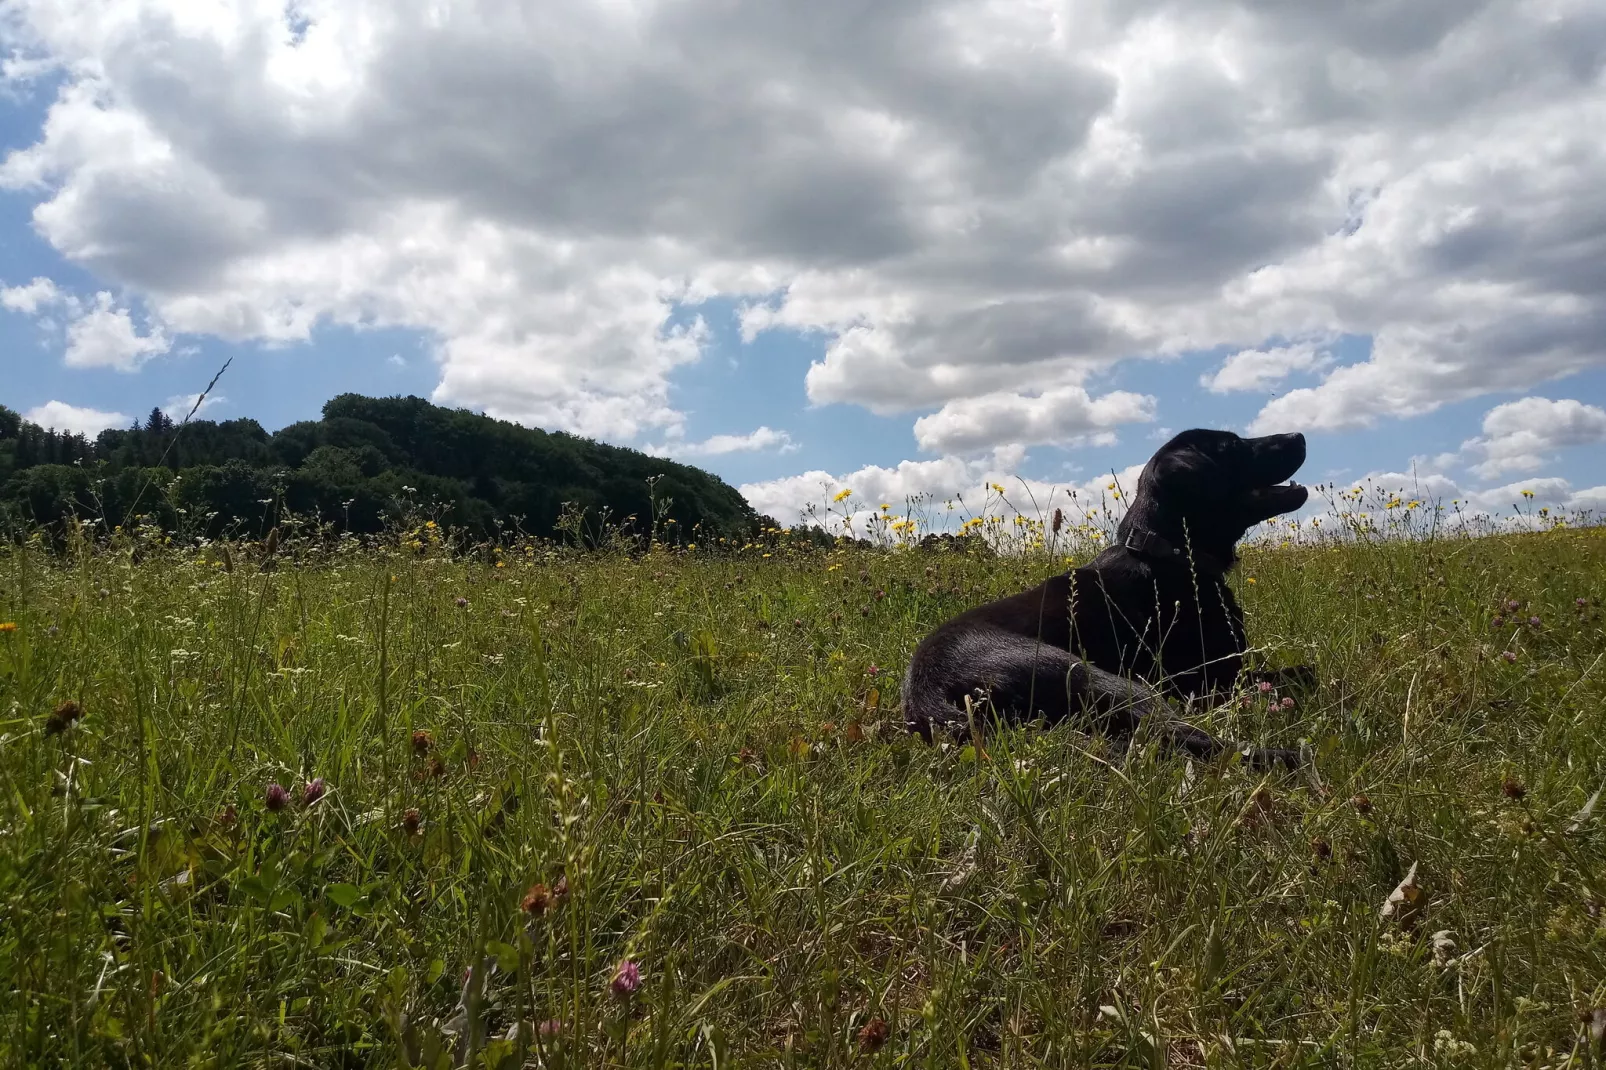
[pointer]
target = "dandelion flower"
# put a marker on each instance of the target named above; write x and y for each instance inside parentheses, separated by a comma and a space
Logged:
(843, 494)
(8, 626)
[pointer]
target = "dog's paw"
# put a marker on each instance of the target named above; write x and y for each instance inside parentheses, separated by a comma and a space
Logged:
(1300, 678)
(1272, 758)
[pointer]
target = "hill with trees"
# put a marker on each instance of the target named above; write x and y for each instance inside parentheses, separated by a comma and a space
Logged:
(358, 468)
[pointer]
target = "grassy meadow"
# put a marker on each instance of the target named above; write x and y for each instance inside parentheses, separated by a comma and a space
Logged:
(335, 802)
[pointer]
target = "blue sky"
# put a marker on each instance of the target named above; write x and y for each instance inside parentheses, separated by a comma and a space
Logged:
(792, 259)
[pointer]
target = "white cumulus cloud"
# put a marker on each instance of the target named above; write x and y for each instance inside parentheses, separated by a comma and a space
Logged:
(964, 201)
(32, 297)
(1258, 369)
(1526, 495)
(179, 406)
(1523, 435)
(926, 489)
(74, 419)
(758, 440)
(1063, 416)
(105, 337)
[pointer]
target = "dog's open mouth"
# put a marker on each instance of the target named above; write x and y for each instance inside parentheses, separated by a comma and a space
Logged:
(1280, 498)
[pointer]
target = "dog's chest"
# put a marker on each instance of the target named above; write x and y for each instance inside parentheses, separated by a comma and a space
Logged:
(1186, 630)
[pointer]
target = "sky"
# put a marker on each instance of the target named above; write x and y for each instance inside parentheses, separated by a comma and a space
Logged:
(904, 247)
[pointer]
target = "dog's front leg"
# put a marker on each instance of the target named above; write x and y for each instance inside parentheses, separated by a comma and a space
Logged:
(1121, 705)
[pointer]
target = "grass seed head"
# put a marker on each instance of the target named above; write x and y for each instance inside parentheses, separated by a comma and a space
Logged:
(1594, 1022)
(537, 901)
(874, 1035)
(63, 717)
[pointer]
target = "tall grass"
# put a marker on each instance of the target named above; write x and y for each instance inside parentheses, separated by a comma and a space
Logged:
(537, 764)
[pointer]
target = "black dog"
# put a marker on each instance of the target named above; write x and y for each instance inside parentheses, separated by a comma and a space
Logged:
(1151, 615)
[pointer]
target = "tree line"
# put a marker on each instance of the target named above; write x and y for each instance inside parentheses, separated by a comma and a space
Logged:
(365, 464)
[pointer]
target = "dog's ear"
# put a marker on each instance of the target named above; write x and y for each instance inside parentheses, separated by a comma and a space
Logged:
(1181, 469)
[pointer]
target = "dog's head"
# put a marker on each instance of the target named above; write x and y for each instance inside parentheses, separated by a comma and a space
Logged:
(1219, 485)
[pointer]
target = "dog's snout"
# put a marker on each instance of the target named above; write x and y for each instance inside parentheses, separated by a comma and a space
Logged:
(1278, 457)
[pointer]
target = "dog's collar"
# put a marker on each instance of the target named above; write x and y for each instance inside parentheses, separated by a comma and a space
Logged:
(1148, 544)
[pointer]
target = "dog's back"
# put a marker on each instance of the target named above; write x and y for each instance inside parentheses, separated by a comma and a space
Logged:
(1015, 650)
